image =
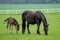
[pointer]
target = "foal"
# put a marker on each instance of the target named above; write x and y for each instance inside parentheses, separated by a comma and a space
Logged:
(10, 22)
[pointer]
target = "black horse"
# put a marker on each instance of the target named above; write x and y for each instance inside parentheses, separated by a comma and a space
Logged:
(34, 18)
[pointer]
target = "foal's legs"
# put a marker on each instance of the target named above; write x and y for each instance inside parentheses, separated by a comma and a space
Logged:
(11, 28)
(28, 28)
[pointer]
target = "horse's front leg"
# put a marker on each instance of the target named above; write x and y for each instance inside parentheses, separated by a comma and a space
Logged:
(28, 28)
(38, 27)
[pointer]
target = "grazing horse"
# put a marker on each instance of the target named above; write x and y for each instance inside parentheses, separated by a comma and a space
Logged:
(10, 22)
(34, 18)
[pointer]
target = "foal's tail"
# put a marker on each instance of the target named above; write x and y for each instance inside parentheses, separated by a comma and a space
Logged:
(6, 21)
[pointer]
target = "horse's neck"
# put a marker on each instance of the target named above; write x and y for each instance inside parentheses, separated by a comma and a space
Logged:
(16, 23)
(44, 21)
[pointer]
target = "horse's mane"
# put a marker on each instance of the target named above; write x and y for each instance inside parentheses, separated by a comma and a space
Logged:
(15, 21)
(42, 17)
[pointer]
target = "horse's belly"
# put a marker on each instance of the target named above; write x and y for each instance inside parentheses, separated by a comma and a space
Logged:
(31, 21)
(11, 21)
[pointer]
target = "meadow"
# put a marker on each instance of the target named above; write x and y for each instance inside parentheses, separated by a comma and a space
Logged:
(53, 20)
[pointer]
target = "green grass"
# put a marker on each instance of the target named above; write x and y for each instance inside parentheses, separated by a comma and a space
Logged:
(53, 32)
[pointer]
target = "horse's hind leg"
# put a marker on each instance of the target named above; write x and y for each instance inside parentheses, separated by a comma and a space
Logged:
(23, 26)
(28, 28)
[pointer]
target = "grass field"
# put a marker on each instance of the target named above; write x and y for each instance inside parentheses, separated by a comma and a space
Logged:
(53, 32)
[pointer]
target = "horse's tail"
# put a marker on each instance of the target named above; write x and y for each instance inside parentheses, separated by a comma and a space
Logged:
(6, 21)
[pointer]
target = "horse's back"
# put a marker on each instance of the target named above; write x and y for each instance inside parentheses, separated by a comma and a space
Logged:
(40, 15)
(11, 20)
(29, 17)
(25, 14)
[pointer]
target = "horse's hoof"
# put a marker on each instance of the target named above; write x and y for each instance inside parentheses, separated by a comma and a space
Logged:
(38, 33)
(46, 34)
(22, 33)
(29, 33)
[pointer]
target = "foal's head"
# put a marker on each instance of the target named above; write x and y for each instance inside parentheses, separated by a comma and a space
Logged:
(18, 27)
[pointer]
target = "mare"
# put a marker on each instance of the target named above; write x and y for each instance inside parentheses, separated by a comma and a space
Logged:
(34, 18)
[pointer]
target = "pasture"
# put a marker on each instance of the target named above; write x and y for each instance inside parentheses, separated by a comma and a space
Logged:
(53, 31)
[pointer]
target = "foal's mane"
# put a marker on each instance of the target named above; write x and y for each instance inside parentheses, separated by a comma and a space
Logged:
(15, 21)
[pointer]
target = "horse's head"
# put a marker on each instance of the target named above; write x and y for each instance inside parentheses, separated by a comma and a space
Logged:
(18, 27)
(46, 29)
